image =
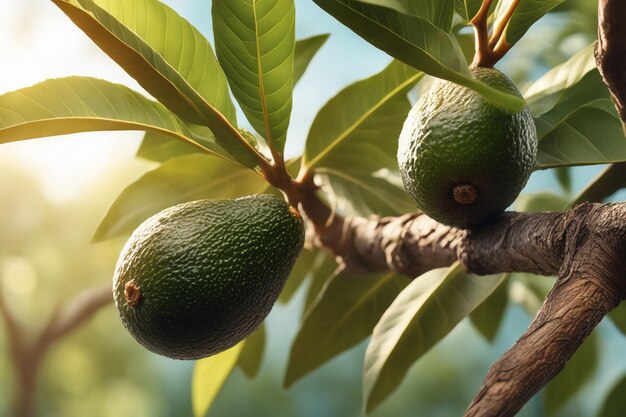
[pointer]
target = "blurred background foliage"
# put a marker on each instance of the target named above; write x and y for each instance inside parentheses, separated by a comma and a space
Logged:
(46, 258)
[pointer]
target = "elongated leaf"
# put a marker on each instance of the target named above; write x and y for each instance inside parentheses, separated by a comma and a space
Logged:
(360, 125)
(487, 317)
(187, 178)
(252, 353)
(416, 42)
(359, 193)
(437, 12)
(424, 312)
(590, 135)
(79, 104)
(254, 42)
(304, 52)
(543, 94)
(169, 58)
(209, 375)
(576, 372)
(160, 148)
(615, 402)
(605, 184)
(343, 315)
(467, 9)
(525, 15)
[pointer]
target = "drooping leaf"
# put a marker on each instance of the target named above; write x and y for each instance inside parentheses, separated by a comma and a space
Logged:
(169, 58)
(360, 193)
(304, 52)
(467, 9)
(252, 353)
(360, 125)
(524, 16)
(187, 178)
(343, 315)
(254, 42)
(615, 402)
(605, 184)
(422, 314)
(569, 381)
(437, 12)
(487, 317)
(415, 41)
(209, 375)
(78, 104)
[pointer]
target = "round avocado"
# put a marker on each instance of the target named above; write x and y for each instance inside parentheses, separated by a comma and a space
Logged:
(197, 278)
(462, 159)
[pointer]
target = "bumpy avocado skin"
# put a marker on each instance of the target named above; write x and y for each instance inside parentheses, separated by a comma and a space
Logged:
(453, 136)
(208, 273)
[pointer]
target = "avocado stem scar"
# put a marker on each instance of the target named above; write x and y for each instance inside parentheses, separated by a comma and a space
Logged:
(465, 194)
(132, 292)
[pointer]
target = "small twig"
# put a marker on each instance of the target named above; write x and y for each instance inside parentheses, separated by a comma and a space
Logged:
(481, 33)
(501, 24)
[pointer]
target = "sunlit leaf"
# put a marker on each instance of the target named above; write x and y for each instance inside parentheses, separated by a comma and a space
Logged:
(304, 53)
(615, 403)
(605, 184)
(416, 42)
(424, 312)
(252, 353)
(488, 316)
(78, 104)
(359, 193)
(437, 12)
(344, 314)
(571, 379)
(254, 42)
(524, 16)
(187, 178)
(209, 375)
(159, 148)
(362, 120)
(169, 58)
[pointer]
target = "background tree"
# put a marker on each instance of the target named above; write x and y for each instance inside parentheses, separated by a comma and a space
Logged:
(348, 172)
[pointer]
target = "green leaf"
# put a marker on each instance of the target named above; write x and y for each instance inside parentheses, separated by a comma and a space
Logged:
(530, 290)
(187, 178)
(209, 375)
(324, 268)
(618, 317)
(576, 372)
(254, 42)
(354, 192)
(615, 403)
(467, 9)
(415, 41)
(524, 16)
(159, 148)
(542, 201)
(343, 315)
(360, 125)
(564, 178)
(252, 353)
(487, 317)
(169, 58)
(605, 184)
(543, 94)
(304, 53)
(437, 12)
(78, 104)
(424, 312)
(299, 272)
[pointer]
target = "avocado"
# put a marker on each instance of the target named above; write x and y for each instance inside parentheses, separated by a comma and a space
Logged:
(197, 278)
(462, 159)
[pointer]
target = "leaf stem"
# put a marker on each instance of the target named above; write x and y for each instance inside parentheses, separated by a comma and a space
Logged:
(481, 33)
(500, 25)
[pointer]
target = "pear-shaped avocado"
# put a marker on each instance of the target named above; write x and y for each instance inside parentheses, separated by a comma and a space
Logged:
(197, 278)
(462, 159)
